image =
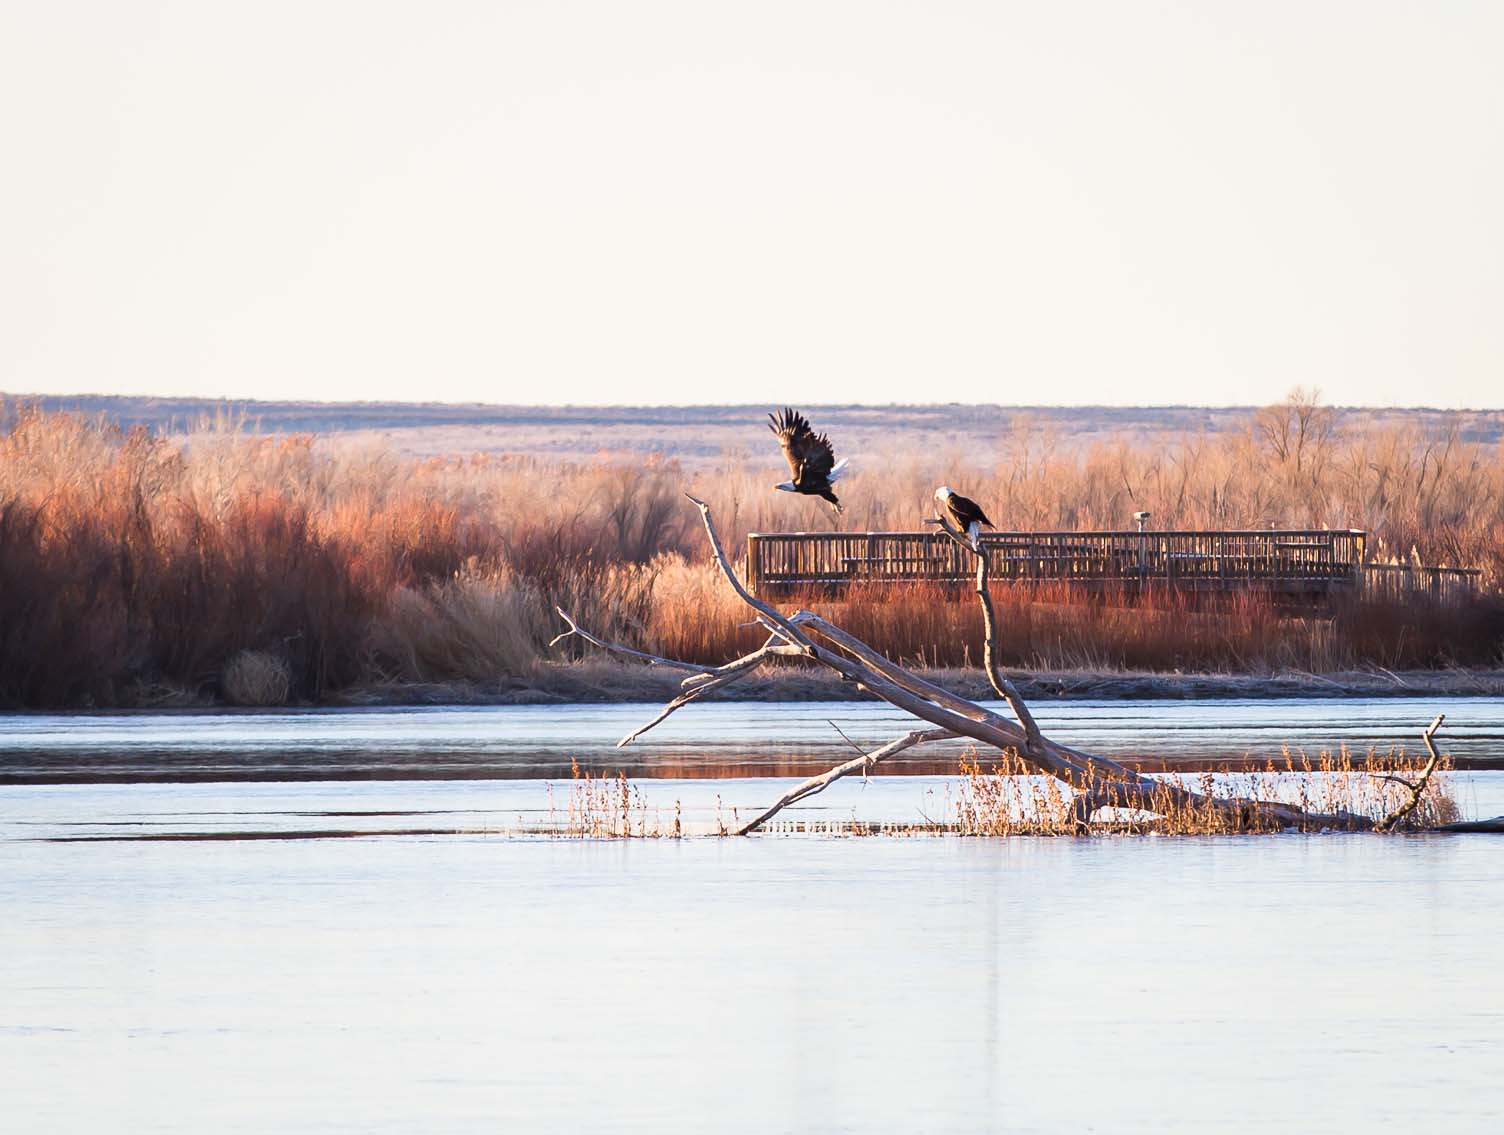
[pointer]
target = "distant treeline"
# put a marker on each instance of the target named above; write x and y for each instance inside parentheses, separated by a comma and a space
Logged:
(700, 435)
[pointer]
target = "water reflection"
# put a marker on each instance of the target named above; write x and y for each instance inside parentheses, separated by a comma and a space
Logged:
(714, 741)
(499, 809)
(249, 972)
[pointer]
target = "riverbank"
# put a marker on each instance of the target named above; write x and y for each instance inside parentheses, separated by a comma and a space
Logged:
(138, 571)
(603, 680)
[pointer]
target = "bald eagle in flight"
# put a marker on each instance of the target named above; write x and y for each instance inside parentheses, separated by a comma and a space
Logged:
(812, 463)
(967, 514)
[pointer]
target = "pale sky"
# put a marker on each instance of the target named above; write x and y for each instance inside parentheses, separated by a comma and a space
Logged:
(647, 202)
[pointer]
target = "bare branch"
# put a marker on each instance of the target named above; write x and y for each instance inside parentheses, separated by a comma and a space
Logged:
(769, 649)
(866, 761)
(992, 641)
(845, 738)
(1051, 758)
(777, 631)
(700, 684)
(895, 673)
(679, 702)
(575, 630)
(771, 614)
(1418, 786)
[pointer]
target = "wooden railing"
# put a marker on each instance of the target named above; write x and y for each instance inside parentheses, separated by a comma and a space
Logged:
(1445, 585)
(791, 560)
(1301, 563)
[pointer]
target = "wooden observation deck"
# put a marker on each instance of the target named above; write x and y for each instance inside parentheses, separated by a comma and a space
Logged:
(1293, 565)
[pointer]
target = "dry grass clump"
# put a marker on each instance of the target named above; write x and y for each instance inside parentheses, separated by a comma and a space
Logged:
(256, 678)
(480, 626)
(1005, 799)
(605, 807)
(1008, 800)
(695, 615)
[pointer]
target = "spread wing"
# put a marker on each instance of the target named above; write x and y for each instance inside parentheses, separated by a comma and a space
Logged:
(809, 454)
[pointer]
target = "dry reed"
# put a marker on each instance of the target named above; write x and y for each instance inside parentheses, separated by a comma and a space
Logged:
(134, 563)
(1005, 799)
(607, 807)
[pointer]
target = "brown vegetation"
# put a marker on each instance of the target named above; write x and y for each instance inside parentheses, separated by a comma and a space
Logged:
(1005, 799)
(607, 807)
(256, 678)
(134, 565)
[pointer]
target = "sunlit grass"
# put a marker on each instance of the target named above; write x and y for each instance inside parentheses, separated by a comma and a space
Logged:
(134, 567)
(1002, 799)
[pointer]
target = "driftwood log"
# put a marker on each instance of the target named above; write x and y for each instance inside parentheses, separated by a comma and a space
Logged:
(1095, 782)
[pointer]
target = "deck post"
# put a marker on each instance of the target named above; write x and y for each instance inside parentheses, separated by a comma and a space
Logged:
(754, 563)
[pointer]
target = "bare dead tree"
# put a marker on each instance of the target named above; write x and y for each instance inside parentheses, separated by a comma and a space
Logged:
(1096, 782)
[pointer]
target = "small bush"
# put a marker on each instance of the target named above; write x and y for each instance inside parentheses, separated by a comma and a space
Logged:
(478, 626)
(256, 678)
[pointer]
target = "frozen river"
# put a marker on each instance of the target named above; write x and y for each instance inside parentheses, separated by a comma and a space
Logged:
(460, 979)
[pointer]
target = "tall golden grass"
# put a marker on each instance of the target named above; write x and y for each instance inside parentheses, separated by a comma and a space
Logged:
(133, 563)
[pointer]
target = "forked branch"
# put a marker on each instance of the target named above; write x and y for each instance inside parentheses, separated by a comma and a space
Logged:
(1416, 788)
(1095, 781)
(577, 631)
(702, 680)
(992, 639)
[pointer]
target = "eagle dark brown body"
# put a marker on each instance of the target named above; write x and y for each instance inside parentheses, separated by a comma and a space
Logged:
(812, 463)
(966, 513)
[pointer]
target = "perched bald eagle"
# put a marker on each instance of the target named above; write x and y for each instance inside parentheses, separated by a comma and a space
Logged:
(811, 460)
(967, 514)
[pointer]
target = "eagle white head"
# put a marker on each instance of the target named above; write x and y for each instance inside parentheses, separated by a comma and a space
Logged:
(944, 493)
